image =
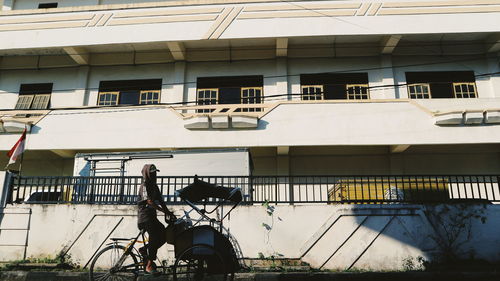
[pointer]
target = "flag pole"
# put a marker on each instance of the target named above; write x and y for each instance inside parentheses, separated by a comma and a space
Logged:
(22, 154)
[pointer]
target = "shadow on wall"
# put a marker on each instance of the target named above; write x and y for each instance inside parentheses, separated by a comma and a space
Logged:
(397, 236)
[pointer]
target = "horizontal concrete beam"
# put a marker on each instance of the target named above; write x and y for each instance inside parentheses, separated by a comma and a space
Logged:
(399, 148)
(178, 50)
(64, 153)
(281, 47)
(282, 150)
(389, 43)
(493, 43)
(78, 54)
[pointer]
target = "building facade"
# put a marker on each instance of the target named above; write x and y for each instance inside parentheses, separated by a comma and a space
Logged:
(310, 88)
(313, 87)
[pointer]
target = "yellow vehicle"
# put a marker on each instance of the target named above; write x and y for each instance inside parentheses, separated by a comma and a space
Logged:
(384, 190)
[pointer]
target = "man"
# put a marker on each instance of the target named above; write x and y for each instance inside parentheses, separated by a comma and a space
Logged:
(150, 200)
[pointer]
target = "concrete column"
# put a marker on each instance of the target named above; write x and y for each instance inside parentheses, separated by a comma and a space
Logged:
(177, 91)
(283, 165)
(387, 73)
(7, 5)
(283, 161)
(81, 95)
(282, 79)
(3, 189)
(493, 62)
(396, 164)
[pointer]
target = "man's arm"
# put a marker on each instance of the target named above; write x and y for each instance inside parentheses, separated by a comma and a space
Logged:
(160, 205)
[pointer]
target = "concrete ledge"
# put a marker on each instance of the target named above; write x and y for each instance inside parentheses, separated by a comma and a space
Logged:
(14, 126)
(277, 276)
(245, 122)
(473, 118)
(220, 121)
(492, 117)
(449, 119)
(198, 122)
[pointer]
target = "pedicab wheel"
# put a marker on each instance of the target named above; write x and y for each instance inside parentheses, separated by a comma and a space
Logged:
(111, 263)
(194, 263)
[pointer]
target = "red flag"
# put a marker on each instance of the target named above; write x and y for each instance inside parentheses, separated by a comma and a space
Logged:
(17, 149)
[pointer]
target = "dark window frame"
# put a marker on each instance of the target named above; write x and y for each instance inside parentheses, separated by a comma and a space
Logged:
(51, 5)
(129, 91)
(336, 86)
(442, 83)
(230, 89)
(34, 96)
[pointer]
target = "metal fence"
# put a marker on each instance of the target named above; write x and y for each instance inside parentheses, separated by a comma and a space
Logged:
(260, 189)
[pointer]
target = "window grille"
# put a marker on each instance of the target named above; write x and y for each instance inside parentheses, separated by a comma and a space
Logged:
(33, 101)
(207, 97)
(41, 101)
(108, 98)
(312, 92)
(24, 101)
(252, 95)
(357, 92)
(465, 90)
(150, 97)
(419, 91)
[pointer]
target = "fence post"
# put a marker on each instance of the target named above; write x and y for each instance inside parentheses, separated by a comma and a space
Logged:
(290, 189)
(7, 188)
(250, 189)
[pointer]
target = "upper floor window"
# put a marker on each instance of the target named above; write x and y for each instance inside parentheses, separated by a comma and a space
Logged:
(441, 84)
(47, 5)
(129, 92)
(34, 96)
(312, 92)
(332, 86)
(419, 91)
(230, 90)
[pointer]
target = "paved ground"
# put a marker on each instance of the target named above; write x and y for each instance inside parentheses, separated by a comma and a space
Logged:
(314, 276)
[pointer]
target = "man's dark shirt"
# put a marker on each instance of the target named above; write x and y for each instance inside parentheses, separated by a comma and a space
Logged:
(147, 212)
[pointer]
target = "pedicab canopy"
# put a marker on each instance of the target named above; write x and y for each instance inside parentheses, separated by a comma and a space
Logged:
(200, 190)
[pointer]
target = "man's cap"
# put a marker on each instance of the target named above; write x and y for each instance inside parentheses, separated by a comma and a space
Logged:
(153, 168)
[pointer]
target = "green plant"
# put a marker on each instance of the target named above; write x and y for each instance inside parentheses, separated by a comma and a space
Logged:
(412, 264)
(452, 225)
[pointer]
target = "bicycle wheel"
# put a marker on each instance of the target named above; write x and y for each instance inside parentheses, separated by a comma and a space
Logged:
(111, 263)
(201, 263)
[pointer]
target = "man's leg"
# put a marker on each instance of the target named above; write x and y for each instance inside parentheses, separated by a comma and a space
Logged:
(157, 237)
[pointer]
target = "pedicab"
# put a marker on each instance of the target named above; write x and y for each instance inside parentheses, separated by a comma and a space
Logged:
(204, 249)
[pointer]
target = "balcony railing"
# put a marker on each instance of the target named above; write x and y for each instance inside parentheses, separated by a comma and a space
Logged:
(260, 189)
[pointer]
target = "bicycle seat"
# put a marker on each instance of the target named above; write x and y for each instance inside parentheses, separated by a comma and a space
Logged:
(121, 239)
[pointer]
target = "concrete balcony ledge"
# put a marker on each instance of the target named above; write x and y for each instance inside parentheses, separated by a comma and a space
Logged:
(474, 118)
(449, 119)
(468, 118)
(12, 126)
(244, 122)
(197, 122)
(492, 117)
(221, 122)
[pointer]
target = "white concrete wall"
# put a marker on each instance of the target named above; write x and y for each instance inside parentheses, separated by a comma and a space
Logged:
(104, 73)
(347, 123)
(288, 26)
(78, 86)
(312, 233)
(479, 66)
(381, 163)
(64, 91)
